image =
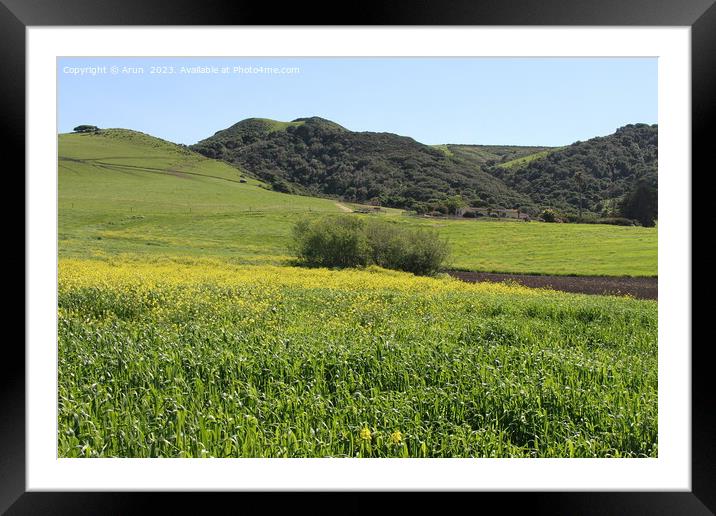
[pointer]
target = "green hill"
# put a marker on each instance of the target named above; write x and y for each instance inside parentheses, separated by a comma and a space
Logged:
(121, 191)
(609, 165)
(319, 157)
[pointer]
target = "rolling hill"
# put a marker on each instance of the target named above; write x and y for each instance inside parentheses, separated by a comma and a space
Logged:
(609, 165)
(125, 193)
(319, 157)
(122, 191)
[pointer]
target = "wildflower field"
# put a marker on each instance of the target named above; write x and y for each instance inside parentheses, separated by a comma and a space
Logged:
(184, 332)
(200, 357)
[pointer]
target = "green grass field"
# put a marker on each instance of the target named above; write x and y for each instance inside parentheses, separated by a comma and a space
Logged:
(183, 332)
(160, 200)
(205, 359)
(542, 248)
(125, 192)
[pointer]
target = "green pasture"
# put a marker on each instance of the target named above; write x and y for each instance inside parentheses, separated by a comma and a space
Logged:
(122, 192)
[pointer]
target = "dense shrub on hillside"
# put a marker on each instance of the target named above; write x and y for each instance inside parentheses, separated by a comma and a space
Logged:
(569, 217)
(588, 173)
(640, 203)
(348, 241)
(549, 215)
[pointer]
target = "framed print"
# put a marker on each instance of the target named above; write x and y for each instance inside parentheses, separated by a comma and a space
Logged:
(418, 250)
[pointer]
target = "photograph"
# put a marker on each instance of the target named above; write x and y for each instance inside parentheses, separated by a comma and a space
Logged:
(357, 257)
(418, 251)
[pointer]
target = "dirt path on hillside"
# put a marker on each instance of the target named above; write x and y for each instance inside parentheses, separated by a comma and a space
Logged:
(640, 288)
(344, 208)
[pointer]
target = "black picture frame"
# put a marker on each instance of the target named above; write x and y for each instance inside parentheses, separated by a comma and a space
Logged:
(16, 15)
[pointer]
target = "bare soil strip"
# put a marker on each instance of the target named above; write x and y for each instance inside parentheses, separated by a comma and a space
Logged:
(640, 288)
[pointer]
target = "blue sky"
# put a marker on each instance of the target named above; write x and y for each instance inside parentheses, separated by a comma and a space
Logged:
(510, 101)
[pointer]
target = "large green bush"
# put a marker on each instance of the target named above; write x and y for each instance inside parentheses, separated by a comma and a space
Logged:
(349, 241)
(331, 242)
(549, 215)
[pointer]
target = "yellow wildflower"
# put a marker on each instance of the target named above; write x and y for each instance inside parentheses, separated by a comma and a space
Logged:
(365, 434)
(396, 437)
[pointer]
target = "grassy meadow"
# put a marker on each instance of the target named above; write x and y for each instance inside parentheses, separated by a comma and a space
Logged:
(126, 193)
(184, 331)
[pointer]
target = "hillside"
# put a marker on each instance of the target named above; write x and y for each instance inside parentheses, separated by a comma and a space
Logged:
(124, 193)
(121, 191)
(488, 155)
(320, 157)
(609, 167)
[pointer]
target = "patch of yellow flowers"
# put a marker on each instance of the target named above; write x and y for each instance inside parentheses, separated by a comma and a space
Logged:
(119, 273)
(366, 434)
(396, 437)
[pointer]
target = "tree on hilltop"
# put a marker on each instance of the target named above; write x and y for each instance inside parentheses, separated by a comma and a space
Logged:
(86, 129)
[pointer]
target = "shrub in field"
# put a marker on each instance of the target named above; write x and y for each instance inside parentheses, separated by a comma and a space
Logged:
(347, 241)
(387, 243)
(412, 250)
(549, 215)
(331, 242)
(424, 252)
